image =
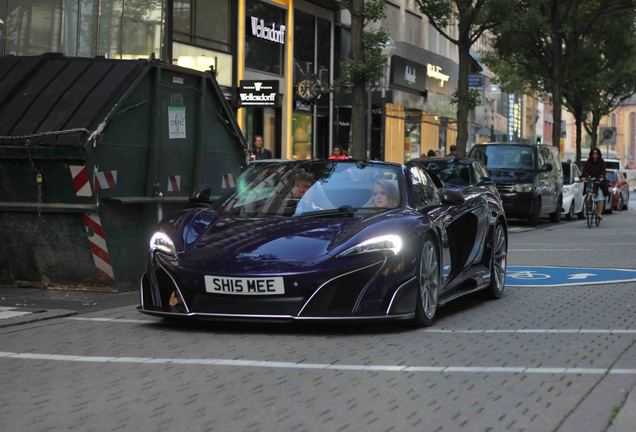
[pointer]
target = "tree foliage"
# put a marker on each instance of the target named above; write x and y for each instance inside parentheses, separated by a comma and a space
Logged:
(470, 19)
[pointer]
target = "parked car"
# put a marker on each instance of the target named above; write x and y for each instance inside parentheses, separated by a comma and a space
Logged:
(364, 241)
(619, 189)
(458, 173)
(572, 191)
(529, 178)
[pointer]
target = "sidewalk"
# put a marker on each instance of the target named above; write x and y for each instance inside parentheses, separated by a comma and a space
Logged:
(22, 305)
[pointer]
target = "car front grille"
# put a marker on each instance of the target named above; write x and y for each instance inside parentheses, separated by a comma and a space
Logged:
(505, 187)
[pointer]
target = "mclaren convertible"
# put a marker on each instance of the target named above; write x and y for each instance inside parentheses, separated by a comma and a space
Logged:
(328, 240)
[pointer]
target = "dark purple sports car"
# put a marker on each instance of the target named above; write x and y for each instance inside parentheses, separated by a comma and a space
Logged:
(336, 240)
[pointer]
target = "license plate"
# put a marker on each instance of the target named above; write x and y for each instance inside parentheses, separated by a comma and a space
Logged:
(244, 286)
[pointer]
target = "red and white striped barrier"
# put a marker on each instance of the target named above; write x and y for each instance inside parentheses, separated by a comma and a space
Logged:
(228, 181)
(81, 183)
(97, 244)
(105, 180)
(174, 183)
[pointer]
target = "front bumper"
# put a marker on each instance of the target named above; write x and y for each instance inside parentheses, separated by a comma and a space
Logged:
(519, 204)
(362, 289)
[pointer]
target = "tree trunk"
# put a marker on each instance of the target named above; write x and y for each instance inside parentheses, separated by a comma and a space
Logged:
(556, 115)
(596, 120)
(578, 117)
(358, 91)
(463, 99)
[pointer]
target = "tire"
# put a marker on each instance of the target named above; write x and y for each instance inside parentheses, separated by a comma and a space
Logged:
(429, 281)
(589, 212)
(570, 214)
(498, 262)
(556, 216)
(533, 219)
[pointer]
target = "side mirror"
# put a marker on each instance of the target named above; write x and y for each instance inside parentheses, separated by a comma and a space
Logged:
(577, 179)
(486, 181)
(450, 196)
(201, 195)
(546, 167)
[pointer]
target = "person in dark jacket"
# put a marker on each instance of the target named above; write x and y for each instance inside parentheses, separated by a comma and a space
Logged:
(595, 167)
(260, 152)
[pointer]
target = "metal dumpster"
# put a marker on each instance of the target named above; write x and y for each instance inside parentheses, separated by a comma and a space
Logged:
(92, 153)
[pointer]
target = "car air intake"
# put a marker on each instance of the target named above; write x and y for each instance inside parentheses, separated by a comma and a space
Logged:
(339, 295)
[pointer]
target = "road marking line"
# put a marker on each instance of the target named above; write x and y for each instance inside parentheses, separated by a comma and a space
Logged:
(119, 320)
(319, 366)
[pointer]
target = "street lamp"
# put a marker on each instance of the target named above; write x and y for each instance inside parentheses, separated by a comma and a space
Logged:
(492, 93)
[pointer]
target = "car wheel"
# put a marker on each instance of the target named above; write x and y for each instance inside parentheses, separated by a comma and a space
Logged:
(556, 216)
(533, 219)
(498, 262)
(429, 280)
(570, 214)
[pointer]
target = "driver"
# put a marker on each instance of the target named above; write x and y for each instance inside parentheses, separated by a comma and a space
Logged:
(385, 194)
(302, 183)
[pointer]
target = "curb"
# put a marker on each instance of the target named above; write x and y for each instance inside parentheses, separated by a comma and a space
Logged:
(36, 315)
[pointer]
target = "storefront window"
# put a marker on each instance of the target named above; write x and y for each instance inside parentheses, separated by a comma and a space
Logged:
(142, 28)
(33, 27)
(110, 23)
(202, 59)
(302, 131)
(304, 45)
(265, 37)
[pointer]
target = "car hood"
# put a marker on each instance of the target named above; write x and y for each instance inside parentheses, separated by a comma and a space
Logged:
(228, 242)
(502, 175)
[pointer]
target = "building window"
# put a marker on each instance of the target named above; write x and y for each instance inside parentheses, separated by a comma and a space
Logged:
(265, 37)
(205, 23)
(33, 28)
(302, 127)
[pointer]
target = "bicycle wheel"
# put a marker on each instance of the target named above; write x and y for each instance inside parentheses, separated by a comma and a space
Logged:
(589, 212)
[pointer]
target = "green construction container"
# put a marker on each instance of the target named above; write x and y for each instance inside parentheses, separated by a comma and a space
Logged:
(93, 152)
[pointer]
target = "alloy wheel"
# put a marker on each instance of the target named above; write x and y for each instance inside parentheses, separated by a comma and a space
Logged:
(429, 279)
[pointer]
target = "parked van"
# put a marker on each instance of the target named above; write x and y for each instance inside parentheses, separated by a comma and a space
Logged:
(529, 178)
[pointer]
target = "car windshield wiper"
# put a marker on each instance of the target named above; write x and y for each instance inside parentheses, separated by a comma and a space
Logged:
(345, 210)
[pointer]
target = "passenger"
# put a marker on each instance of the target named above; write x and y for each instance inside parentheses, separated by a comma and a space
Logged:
(302, 182)
(385, 194)
(431, 153)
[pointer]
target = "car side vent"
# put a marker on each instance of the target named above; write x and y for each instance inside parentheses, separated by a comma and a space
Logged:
(338, 296)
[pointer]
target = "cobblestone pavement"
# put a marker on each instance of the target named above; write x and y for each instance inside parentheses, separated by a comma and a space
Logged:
(484, 366)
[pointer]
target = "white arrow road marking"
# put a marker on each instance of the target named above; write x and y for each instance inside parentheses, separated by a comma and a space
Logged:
(580, 276)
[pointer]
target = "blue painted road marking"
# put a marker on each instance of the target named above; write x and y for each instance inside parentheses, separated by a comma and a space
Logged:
(542, 276)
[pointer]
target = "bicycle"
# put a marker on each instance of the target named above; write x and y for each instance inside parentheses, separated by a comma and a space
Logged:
(591, 186)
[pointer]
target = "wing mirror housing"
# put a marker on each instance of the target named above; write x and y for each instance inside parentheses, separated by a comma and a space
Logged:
(450, 196)
(201, 195)
(546, 167)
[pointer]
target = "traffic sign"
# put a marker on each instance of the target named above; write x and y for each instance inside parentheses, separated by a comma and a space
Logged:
(545, 276)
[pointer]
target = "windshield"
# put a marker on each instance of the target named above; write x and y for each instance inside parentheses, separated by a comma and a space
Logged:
(566, 172)
(302, 189)
(611, 176)
(501, 156)
(450, 171)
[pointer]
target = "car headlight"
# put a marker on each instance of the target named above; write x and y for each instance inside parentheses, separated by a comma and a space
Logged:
(523, 187)
(161, 242)
(614, 189)
(392, 243)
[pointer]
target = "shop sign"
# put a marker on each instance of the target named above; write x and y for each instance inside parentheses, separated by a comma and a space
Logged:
(514, 116)
(302, 106)
(258, 93)
(408, 75)
(435, 72)
(475, 80)
(262, 31)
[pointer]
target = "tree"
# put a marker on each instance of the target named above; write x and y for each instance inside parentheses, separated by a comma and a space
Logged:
(605, 75)
(539, 42)
(471, 18)
(365, 65)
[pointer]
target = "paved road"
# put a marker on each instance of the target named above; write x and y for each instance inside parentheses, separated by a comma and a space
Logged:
(539, 359)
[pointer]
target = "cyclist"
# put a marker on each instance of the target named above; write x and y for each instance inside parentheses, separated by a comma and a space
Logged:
(595, 168)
